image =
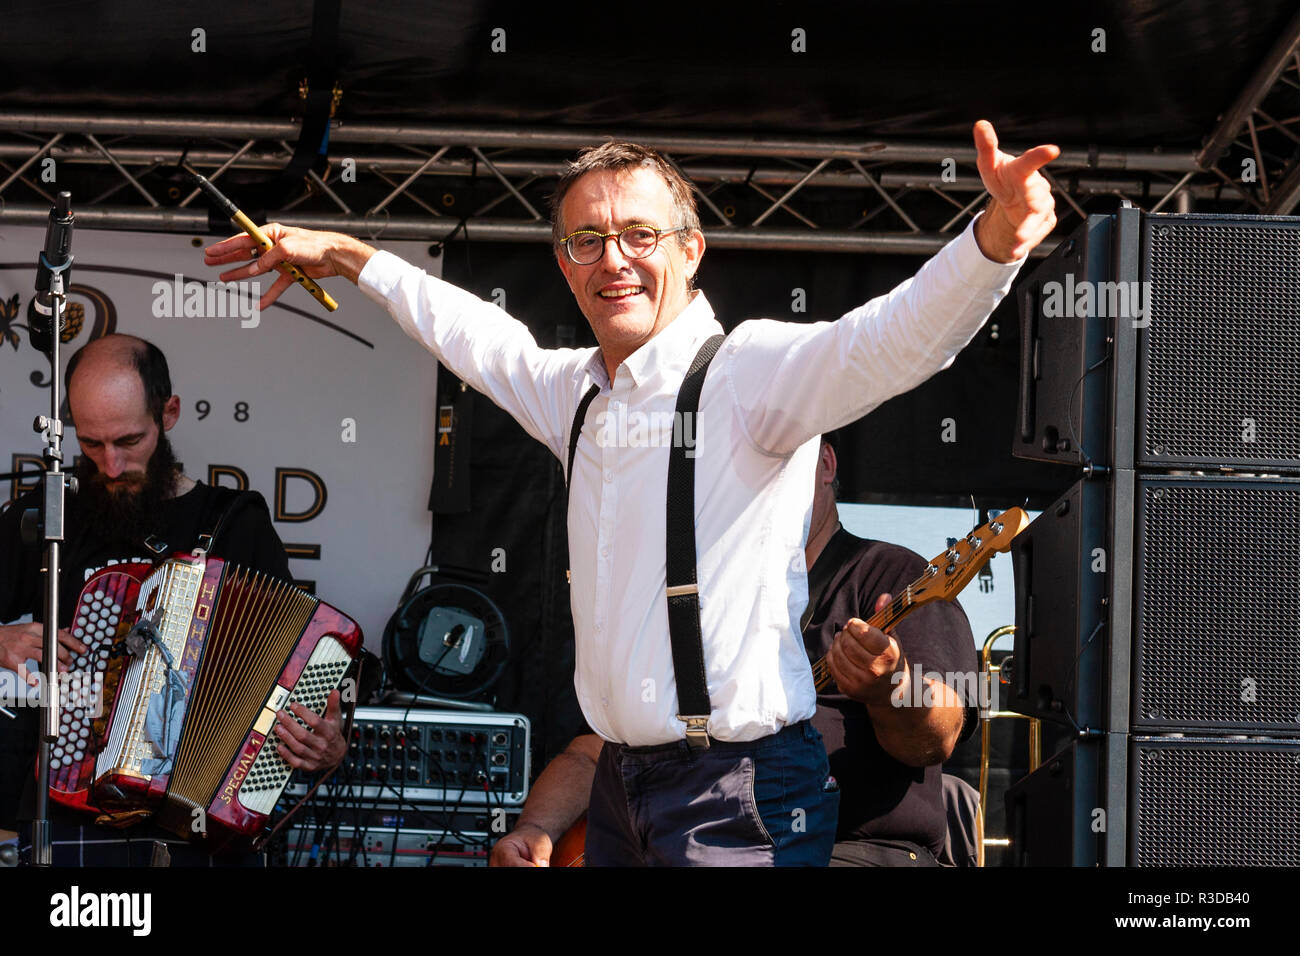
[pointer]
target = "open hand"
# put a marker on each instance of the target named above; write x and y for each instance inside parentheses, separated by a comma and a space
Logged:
(319, 254)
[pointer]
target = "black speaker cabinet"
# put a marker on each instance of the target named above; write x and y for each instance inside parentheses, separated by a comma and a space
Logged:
(1067, 373)
(1216, 605)
(1219, 371)
(1214, 801)
(1071, 810)
(1062, 564)
(1121, 800)
(1162, 603)
(1164, 341)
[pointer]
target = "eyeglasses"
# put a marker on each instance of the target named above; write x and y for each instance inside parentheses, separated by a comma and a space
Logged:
(636, 242)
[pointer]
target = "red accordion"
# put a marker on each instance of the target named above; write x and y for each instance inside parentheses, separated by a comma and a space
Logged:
(197, 656)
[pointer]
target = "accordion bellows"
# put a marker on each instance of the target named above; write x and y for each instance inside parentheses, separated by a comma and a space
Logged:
(197, 657)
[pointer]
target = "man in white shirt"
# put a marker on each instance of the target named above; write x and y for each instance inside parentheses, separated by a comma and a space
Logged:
(629, 244)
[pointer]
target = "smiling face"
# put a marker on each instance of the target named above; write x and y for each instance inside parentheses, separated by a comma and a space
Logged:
(627, 301)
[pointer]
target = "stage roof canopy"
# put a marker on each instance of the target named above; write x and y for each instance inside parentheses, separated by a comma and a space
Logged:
(1158, 74)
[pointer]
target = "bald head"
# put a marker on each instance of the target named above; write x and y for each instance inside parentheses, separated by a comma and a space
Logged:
(105, 368)
(119, 393)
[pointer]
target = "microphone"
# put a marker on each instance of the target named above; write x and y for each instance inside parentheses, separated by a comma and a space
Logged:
(56, 259)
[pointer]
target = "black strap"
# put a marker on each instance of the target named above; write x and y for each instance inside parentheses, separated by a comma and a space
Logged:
(575, 432)
(682, 591)
(820, 575)
(309, 151)
(682, 584)
(222, 503)
(579, 417)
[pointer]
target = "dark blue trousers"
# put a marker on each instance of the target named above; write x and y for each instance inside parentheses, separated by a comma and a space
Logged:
(767, 802)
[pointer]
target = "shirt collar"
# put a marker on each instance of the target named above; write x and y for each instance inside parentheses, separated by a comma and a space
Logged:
(671, 350)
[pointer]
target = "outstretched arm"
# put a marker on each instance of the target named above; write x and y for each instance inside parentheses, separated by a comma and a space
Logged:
(487, 349)
(795, 381)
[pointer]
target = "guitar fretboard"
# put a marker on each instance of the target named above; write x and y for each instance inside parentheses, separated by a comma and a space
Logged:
(885, 618)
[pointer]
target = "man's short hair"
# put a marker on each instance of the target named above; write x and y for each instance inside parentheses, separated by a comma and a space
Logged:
(150, 364)
(616, 157)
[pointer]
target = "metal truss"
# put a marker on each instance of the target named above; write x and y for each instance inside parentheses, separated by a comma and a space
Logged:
(1255, 147)
(439, 182)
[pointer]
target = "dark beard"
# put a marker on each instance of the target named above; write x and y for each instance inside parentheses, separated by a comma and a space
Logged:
(128, 516)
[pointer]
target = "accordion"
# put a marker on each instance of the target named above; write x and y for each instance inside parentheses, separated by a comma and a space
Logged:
(191, 661)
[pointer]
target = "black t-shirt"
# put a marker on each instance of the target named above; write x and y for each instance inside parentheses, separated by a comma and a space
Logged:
(246, 538)
(882, 798)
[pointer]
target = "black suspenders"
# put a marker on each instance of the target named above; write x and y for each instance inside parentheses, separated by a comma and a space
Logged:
(683, 593)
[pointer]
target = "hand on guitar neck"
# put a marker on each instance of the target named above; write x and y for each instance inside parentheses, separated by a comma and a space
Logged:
(864, 659)
(866, 664)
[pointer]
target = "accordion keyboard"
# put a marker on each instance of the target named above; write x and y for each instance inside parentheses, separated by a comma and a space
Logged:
(270, 773)
(96, 622)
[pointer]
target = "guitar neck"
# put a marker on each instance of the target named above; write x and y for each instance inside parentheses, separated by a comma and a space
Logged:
(945, 575)
(885, 618)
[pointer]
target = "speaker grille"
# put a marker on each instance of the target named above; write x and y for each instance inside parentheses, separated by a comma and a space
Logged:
(1221, 367)
(1217, 605)
(1216, 805)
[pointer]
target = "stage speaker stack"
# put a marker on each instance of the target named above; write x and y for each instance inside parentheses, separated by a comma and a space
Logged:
(1158, 599)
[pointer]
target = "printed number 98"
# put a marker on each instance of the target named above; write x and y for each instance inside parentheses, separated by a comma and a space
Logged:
(204, 408)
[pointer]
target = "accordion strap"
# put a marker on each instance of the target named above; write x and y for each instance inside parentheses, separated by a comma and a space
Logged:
(223, 503)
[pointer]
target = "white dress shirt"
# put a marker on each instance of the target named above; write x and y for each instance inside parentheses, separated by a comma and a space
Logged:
(772, 390)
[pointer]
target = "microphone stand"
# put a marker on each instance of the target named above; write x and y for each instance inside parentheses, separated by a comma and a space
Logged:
(10, 476)
(54, 486)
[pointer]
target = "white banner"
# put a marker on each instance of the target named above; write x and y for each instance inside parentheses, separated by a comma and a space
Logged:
(328, 414)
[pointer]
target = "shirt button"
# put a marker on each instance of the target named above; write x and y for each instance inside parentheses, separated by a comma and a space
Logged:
(604, 552)
(599, 628)
(609, 476)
